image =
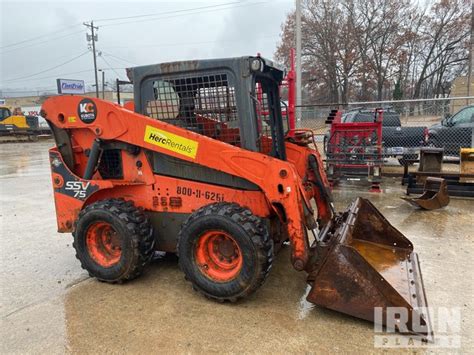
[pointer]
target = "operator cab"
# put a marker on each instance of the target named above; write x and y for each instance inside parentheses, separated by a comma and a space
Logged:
(234, 100)
(4, 113)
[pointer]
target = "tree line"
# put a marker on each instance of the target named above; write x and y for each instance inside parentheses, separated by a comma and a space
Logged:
(361, 50)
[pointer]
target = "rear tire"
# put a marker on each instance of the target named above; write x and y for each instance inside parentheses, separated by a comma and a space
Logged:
(113, 240)
(225, 251)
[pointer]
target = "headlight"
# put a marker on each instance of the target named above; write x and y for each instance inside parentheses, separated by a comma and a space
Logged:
(256, 64)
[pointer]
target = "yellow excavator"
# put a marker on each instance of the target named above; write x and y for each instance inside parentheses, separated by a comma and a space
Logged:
(16, 123)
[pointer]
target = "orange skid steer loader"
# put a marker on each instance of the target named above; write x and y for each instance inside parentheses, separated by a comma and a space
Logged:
(205, 169)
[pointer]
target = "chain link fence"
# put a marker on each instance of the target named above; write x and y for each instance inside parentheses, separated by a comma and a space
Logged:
(407, 125)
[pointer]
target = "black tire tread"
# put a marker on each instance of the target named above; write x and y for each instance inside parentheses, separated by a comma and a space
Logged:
(253, 226)
(139, 228)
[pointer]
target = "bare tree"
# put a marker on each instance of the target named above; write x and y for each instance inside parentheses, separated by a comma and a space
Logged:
(362, 22)
(287, 40)
(384, 36)
(444, 39)
(363, 48)
(329, 50)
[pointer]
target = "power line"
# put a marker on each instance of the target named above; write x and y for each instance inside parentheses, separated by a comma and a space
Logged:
(41, 36)
(117, 57)
(188, 43)
(164, 13)
(49, 69)
(64, 74)
(56, 76)
(110, 67)
(182, 12)
(172, 44)
(38, 43)
(185, 14)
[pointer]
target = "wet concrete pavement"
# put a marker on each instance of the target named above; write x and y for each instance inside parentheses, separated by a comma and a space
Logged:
(48, 303)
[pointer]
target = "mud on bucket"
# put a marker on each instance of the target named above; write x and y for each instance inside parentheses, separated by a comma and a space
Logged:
(364, 262)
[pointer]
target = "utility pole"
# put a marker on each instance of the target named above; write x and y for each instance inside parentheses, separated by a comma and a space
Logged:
(117, 85)
(103, 83)
(93, 37)
(471, 59)
(298, 63)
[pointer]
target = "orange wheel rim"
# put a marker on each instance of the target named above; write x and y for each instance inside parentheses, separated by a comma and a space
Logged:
(218, 256)
(103, 244)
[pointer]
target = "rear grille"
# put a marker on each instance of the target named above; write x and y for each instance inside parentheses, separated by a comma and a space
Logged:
(110, 166)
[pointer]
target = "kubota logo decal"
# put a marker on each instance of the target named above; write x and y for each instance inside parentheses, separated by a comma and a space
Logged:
(170, 141)
(87, 111)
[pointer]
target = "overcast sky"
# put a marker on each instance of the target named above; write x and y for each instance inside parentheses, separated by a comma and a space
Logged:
(40, 35)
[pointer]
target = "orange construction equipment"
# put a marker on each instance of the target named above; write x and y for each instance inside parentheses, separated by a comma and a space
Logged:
(205, 167)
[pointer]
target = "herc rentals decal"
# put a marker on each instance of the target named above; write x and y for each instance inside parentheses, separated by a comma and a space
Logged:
(87, 111)
(170, 141)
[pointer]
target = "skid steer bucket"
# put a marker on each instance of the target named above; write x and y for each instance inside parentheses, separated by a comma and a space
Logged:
(363, 262)
(435, 195)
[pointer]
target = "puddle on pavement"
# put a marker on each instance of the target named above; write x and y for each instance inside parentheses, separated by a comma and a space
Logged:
(33, 159)
(304, 307)
(161, 311)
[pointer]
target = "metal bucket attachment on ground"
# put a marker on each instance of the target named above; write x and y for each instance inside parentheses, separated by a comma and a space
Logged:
(363, 262)
(435, 195)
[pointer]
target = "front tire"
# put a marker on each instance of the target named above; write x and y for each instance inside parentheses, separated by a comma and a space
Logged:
(225, 251)
(113, 240)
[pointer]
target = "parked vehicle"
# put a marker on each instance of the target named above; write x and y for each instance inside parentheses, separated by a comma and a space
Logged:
(354, 149)
(454, 132)
(16, 121)
(400, 142)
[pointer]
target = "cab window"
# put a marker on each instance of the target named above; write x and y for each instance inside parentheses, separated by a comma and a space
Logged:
(166, 103)
(463, 116)
(4, 113)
